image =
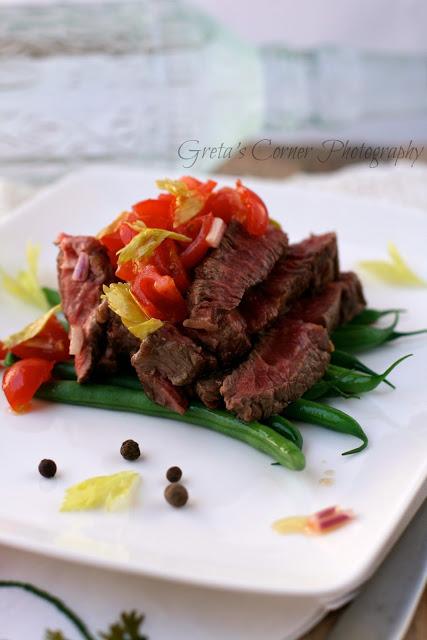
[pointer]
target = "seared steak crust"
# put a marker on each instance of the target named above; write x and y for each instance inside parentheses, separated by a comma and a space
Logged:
(287, 361)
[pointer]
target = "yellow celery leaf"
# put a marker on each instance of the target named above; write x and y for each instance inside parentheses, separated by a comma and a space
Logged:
(112, 492)
(147, 241)
(26, 285)
(121, 301)
(110, 228)
(188, 202)
(395, 271)
(31, 330)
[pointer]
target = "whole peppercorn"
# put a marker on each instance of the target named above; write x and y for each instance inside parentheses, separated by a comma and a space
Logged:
(176, 494)
(47, 468)
(174, 474)
(130, 450)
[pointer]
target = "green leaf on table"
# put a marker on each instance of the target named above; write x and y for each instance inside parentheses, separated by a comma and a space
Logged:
(25, 285)
(394, 271)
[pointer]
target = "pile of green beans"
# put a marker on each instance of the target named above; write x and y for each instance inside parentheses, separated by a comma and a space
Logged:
(118, 398)
(278, 437)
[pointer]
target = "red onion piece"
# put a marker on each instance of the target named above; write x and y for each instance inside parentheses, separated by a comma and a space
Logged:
(216, 232)
(81, 270)
(76, 340)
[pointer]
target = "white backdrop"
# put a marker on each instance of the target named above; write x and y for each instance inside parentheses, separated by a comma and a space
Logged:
(397, 25)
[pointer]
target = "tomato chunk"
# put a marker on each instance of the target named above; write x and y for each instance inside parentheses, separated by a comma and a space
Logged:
(22, 379)
(52, 343)
(157, 214)
(256, 222)
(158, 295)
(168, 262)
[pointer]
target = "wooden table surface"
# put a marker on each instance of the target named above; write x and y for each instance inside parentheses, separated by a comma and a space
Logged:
(282, 169)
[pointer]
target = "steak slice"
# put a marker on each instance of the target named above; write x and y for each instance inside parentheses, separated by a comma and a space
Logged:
(220, 282)
(172, 355)
(310, 264)
(287, 361)
(163, 392)
(337, 304)
(118, 343)
(209, 389)
(83, 268)
(353, 301)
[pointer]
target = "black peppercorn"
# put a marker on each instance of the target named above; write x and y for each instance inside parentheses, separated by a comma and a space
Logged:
(47, 468)
(130, 450)
(174, 474)
(176, 494)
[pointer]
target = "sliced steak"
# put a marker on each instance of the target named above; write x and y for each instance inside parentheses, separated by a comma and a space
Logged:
(83, 268)
(118, 344)
(208, 389)
(229, 341)
(310, 264)
(163, 392)
(337, 304)
(353, 301)
(172, 355)
(222, 279)
(287, 361)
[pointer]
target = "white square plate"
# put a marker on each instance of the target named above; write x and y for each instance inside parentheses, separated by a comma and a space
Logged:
(223, 537)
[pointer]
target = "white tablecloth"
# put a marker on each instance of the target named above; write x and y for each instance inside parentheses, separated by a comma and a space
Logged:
(175, 611)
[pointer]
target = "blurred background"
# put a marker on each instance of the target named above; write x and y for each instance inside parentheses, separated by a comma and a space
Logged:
(209, 84)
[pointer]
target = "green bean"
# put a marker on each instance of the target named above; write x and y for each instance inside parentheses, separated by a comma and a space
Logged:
(326, 388)
(286, 429)
(404, 334)
(370, 316)
(329, 417)
(349, 361)
(10, 359)
(257, 435)
(362, 337)
(66, 371)
(350, 381)
(52, 296)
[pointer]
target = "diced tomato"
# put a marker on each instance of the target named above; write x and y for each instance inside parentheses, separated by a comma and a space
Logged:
(22, 379)
(203, 188)
(113, 243)
(168, 263)
(195, 251)
(225, 204)
(126, 271)
(256, 212)
(157, 214)
(51, 343)
(126, 232)
(241, 204)
(159, 295)
(3, 351)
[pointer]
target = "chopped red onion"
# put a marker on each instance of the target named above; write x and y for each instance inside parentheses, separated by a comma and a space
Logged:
(76, 340)
(216, 232)
(81, 270)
